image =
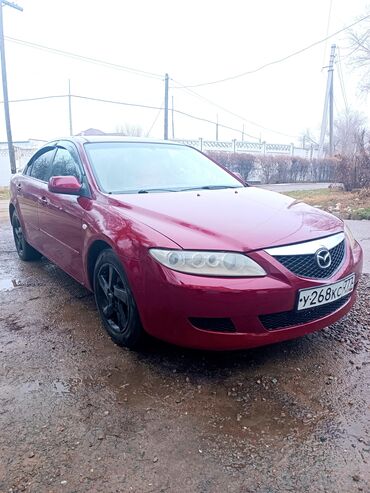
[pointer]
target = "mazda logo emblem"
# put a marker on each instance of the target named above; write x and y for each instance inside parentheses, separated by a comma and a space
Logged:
(323, 258)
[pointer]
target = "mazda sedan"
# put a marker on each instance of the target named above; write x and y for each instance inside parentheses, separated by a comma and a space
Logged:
(175, 246)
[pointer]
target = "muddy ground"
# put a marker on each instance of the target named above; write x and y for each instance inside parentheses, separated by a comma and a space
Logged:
(79, 414)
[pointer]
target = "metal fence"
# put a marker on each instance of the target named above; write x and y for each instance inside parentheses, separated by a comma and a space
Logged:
(258, 148)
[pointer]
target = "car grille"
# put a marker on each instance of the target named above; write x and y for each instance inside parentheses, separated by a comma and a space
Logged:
(306, 265)
(281, 320)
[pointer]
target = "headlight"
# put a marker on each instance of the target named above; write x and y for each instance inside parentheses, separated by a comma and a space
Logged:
(217, 264)
(349, 236)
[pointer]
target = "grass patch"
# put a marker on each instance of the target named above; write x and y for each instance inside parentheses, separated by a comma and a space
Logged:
(346, 205)
(4, 193)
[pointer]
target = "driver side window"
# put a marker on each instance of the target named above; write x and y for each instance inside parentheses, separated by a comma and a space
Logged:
(40, 165)
(66, 165)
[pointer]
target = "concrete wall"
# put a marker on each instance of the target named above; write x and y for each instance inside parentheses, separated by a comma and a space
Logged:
(23, 153)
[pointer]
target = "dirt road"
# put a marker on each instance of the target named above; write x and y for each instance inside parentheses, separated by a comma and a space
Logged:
(79, 414)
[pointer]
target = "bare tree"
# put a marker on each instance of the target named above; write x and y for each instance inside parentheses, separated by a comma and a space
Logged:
(268, 167)
(359, 39)
(130, 129)
(349, 132)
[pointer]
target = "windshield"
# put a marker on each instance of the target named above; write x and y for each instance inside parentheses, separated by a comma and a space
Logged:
(139, 167)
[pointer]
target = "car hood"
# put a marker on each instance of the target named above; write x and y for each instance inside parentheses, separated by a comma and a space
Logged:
(239, 220)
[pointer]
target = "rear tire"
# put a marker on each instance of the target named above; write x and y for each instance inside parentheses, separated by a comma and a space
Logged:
(25, 251)
(115, 301)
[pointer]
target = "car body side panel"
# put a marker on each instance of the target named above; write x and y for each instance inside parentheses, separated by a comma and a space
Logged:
(129, 239)
(60, 222)
(24, 196)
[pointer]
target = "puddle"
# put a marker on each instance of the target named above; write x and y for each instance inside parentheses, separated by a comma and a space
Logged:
(32, 386)
(9, 284)
(60, 387)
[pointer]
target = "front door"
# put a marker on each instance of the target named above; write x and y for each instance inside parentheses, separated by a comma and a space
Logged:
(61, 216)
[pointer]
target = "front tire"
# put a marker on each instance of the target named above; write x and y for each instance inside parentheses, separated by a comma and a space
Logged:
(25, 251)
(115, 301)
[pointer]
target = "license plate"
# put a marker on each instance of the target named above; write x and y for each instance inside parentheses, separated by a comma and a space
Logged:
(308, 298)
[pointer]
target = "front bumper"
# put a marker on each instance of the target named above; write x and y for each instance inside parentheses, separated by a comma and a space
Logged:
(167, 300)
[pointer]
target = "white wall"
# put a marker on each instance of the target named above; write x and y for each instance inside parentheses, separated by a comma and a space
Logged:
(4, 168)
(23, 152)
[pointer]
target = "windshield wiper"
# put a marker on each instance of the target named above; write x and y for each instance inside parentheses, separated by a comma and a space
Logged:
(205, 187)
(212, 187)
(149, 190)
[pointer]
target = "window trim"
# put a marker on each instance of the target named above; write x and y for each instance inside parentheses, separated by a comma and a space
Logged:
(38, 154)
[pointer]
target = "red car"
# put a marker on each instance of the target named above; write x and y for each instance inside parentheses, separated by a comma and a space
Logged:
(176, 246)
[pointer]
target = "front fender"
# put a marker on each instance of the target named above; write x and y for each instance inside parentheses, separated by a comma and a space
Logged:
(130, 240)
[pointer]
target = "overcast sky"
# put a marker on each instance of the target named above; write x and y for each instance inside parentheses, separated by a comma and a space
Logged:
(195, 42)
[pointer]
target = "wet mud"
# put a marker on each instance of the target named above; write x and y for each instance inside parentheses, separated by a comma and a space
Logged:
(79, 414)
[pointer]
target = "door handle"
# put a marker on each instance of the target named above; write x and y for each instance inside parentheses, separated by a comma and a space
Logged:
(43, 201)
(19, 187)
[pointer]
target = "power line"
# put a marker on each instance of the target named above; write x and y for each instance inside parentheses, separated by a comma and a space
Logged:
(155, 119)
(180, 112)
(341, 80)
(76, 56)
(124, 103)
(36, 99)
(279, 60)
(186, 88)
(207, 121)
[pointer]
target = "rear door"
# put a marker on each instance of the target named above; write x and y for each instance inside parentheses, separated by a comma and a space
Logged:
(61, 215)
(29, 188)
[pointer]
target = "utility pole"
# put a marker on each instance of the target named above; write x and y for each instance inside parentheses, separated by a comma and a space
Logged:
(243, 133)
(166, 106)
(13, 166)
(328, 105)
(70, 107)
(173, 122)
(217, 127)
(331, 103)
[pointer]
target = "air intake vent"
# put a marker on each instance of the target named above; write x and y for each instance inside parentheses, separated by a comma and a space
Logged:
(213, 324)
(282, 320)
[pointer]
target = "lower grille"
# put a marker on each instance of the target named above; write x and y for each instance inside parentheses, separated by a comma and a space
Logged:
(288, 319)
(213, 324)
(306, 265)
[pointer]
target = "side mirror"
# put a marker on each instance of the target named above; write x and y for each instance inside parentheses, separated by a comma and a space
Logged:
(64, 184)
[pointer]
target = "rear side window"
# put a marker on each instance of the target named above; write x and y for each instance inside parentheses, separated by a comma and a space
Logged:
(40, 167)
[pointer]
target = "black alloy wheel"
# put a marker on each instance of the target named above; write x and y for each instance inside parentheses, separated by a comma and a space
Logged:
(115, 301)
(25, 250)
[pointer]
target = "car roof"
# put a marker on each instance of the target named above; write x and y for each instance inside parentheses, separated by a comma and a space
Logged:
(83, 139)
